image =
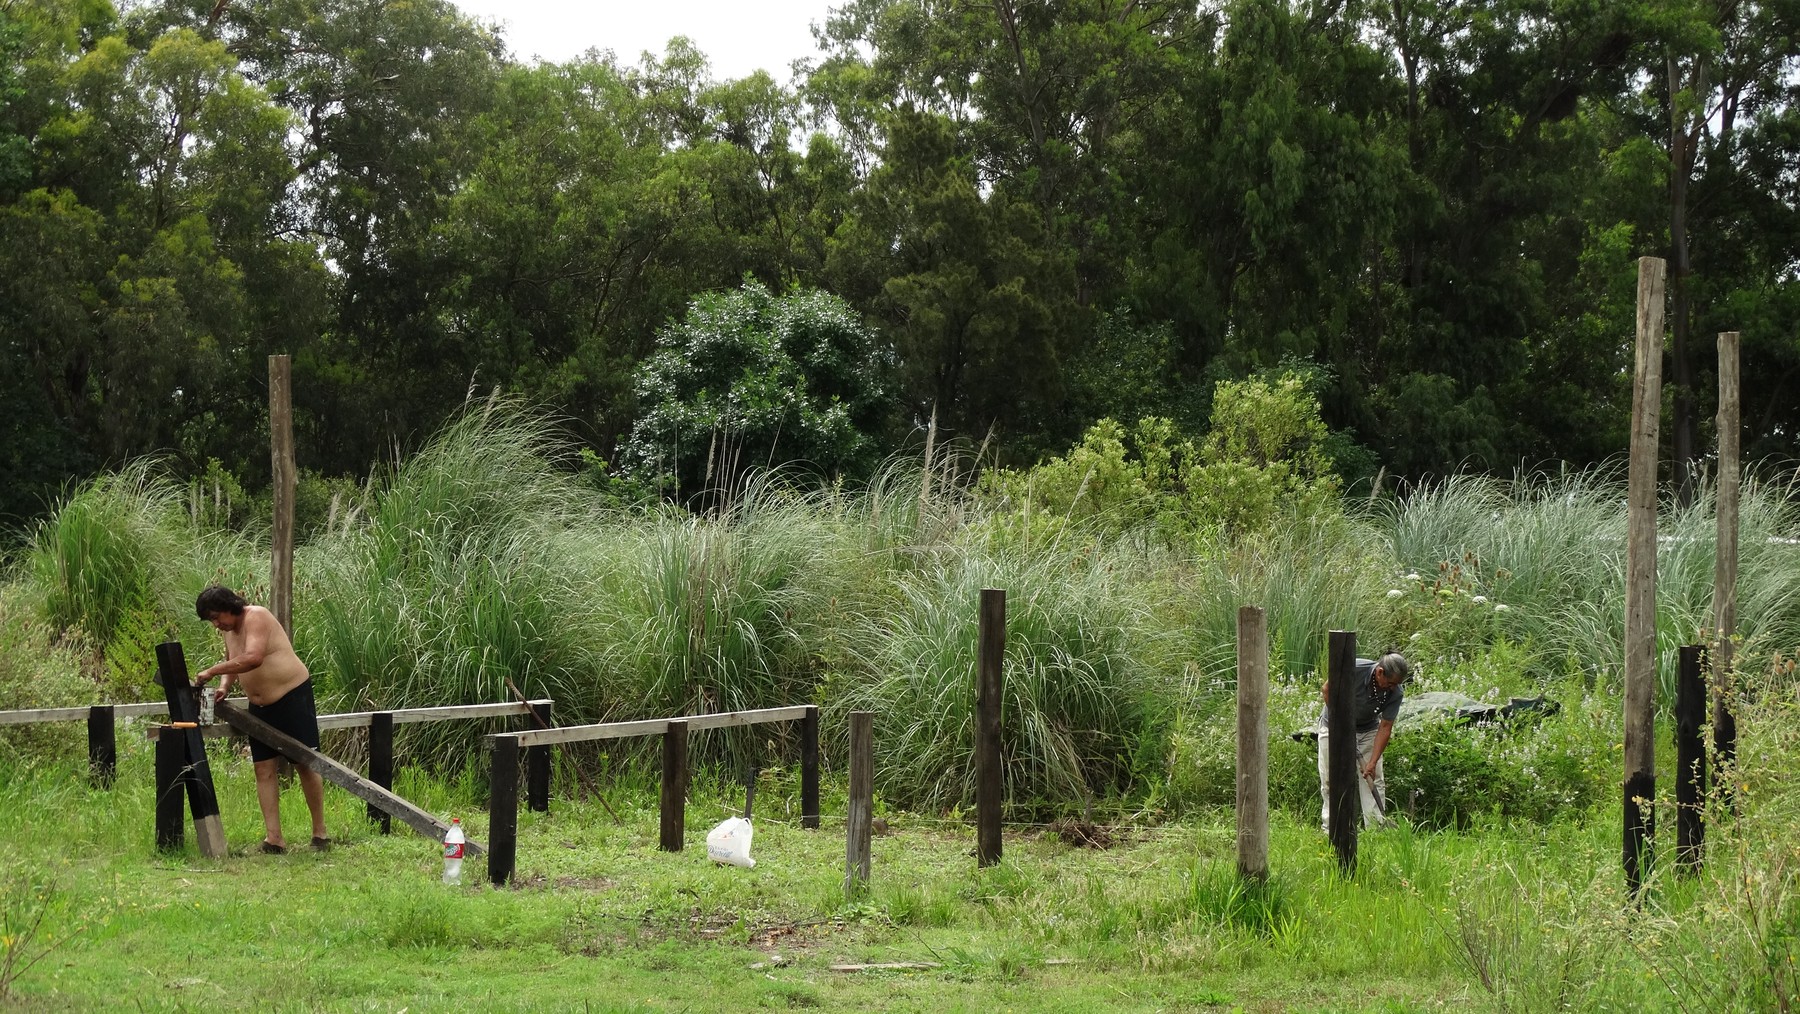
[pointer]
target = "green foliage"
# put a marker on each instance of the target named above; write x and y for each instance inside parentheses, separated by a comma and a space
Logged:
(749, 379)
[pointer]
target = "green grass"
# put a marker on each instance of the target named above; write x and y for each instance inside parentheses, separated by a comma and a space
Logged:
(1499, 917)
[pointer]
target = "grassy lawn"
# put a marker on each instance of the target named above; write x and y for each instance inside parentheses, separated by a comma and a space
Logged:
(600, 920)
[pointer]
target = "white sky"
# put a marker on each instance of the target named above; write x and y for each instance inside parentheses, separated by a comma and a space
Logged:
(737, 36)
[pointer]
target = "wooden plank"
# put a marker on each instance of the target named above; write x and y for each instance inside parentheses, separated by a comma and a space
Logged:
(1640, 576)
(1253, 743)
(809, 768)
(861, 807)
(1725, 568)
(503, 811)
(674, 786)
(171, 760)
(362, 719)
(1341, 760)
(282, 479)
(655, 726)
(31, 716)
(989, 776)
(338, 775)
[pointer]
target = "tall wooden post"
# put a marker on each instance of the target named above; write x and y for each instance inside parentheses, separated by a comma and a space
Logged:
(1725, 568)
(537, 763)
(861, 810)
(203, 803)
(1253, 743)
(1340, 713)
(281, 461)
(103, 746)
(809, 768)
(381, 763)
(503, 810)
(674, 787)
(1640, 578)
(1690, 761)
(989, 784)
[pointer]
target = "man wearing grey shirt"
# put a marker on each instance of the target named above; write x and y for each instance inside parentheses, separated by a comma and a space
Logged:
(1378, 696)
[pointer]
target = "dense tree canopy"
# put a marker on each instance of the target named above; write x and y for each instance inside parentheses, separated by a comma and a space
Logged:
(1051, 214)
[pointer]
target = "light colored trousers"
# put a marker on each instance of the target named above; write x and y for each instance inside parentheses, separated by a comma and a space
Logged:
(1374, 794)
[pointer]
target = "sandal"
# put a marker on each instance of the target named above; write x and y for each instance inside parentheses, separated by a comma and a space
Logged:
(269, 848)
(321, 844)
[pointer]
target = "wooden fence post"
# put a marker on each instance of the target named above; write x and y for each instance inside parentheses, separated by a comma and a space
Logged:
(1690, 761)
(674, 786)
(989, 781)
(503, 810)
(1341, 759)
(861, 810)
(1253, 743)
(103, 747)
(1725, 568)
(1640, 578)
(172, 672)
(809, 768)
(282, 478)
(381, 763)
(537, 763)
(171, 759)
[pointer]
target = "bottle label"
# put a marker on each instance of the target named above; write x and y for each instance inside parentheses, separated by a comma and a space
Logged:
(453, 850)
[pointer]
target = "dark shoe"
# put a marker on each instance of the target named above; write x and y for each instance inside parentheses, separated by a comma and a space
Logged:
(269, 848)
(321, 844)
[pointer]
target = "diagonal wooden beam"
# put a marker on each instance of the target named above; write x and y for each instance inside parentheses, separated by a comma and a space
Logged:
(337, 774)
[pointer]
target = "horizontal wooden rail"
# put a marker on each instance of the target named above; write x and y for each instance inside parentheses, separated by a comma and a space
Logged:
(80, 714)
(651, 726)
(361, 719)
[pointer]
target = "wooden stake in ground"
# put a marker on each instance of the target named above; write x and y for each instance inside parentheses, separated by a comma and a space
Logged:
(1345, 793)
(861, 809)
(1725, 566)
(989, 776)
(196, 775)
(1253, 743)
(281, 462)
(1640, 577)
(1690, 761)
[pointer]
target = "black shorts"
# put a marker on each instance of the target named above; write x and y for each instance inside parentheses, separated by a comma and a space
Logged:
(294, 714)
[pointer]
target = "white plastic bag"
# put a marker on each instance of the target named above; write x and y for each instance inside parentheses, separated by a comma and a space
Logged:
(730, 843)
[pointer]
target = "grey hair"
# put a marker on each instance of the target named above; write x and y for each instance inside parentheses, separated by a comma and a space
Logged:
(1396, 667)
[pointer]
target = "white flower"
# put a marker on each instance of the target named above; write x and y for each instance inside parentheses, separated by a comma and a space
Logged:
(1501, 607)
(1479, 599)
(1414, 576)
(1394, 593)
(1416, 635)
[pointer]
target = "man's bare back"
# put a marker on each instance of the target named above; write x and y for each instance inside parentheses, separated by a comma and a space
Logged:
(255, 638)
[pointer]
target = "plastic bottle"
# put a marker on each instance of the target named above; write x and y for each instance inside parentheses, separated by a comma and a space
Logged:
(453, 852)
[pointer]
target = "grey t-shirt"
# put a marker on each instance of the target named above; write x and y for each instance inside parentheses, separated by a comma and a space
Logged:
(1373, 704)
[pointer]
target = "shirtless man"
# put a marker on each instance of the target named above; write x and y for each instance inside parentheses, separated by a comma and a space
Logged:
(259, 656)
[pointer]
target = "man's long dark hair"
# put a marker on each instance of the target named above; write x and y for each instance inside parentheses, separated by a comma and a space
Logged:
(216, 600)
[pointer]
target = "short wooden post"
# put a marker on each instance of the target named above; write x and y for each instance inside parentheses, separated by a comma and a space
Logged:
(1725, 569)
(1341, 759)
(203, 803)
(503, 810)
(674, 786)
(1253, 743)
(989, 782)
(1640, 577)
(171, 760)
(103, 747)
(381, 763)
(861, 809)
(282, 477)
(537, 763)
(1690, 761)
(809, 768)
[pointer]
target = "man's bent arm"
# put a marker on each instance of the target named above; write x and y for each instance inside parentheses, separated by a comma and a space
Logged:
(1385, 730)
